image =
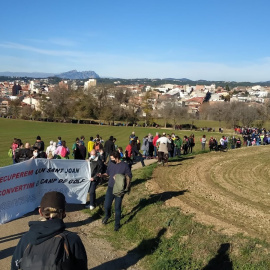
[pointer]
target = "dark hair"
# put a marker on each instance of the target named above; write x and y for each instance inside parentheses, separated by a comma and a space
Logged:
(19, 142)
(64, 144)
(111, 138)
(77, 139)
(59, 138)
(91, 138)
(38, 137)
(133, 143)
(115, 154)
(82, 137)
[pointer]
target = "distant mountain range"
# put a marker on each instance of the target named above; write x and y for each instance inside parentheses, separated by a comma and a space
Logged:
(173, 79)
(77, 75)
(82, 75)
(72, 75)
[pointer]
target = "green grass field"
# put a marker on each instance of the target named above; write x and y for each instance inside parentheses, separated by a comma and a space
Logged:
(27, 131)
(164, 236)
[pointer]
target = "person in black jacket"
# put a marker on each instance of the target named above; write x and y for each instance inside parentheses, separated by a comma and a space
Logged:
(137, 156)
(23, 154)
(109, 147)
(39, 144)
(80, 151)
(52, 211)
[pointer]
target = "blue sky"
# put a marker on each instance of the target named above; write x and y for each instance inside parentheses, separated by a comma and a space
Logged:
(195, 39)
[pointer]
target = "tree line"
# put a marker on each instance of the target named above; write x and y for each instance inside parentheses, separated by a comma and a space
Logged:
(109, 103)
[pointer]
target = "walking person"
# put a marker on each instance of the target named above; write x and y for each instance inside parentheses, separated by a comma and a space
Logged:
(191, 142)
(50, 151)
(96, 166)
(109, 148)
(203, 142)
(14, 146)
(47, 245)
(80, 151)
(151, 146)
(90, 146)
(62, 151)
(185, 145)
(115, 167)
(155, 143)
(137, 156)
(145, 147)
(170, 146)
(162, 148)
(177, 146)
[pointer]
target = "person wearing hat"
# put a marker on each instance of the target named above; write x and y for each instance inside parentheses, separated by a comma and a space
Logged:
(52, 213)
(39, 144)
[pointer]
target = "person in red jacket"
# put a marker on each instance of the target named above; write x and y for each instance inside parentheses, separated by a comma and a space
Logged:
(155, 142)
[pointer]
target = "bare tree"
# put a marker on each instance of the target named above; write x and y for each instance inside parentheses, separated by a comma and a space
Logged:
(232, 112)
(178, 113)
(14, 109)
(248, 115)
(217, 112)
(166, 111)
(26, 112)
(147, 107)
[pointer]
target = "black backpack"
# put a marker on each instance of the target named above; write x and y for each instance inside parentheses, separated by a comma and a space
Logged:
(37, 145)
(52, 254)
(23, 156)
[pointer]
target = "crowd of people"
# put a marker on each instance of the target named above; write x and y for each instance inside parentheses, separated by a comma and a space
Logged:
(253, 136)
(110, 162)
(107, 159)
(250, 137)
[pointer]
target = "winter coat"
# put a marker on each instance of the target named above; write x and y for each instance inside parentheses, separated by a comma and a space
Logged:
(41, 231)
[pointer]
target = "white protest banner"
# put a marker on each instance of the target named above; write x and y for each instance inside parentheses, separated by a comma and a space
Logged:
(22, 185)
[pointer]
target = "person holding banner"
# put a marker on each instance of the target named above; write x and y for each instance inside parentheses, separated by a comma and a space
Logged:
(96, 166)
(47, 245)
(116, 166)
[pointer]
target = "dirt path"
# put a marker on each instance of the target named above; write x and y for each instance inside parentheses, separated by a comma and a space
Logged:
(228, 190)
(101, 255)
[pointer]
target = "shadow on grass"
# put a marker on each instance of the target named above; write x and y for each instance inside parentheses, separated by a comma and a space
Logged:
(181, 158)
(154, 198)
(138, 181)
(146, 247)
(222, 260)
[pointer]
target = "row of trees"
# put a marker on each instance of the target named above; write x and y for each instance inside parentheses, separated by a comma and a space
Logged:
(236, 113)
(109, 103)
(104, 102)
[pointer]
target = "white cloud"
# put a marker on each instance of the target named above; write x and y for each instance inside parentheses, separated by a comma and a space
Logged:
(17, 46)
(132, 66)
(64, 42)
